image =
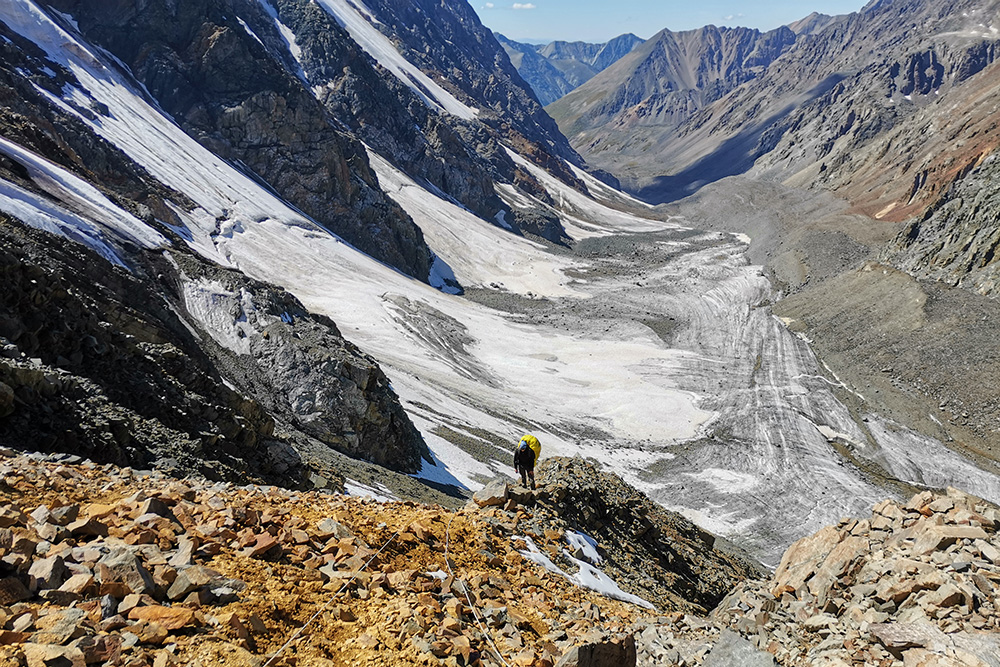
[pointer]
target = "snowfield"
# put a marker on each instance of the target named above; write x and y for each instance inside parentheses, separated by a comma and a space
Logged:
(657, 355)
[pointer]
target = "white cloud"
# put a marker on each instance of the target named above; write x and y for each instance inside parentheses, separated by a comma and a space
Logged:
(524, 5)
(733, 16)
(488, 5)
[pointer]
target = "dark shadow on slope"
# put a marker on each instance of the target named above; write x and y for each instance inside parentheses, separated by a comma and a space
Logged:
(734, 156)
(450, 490)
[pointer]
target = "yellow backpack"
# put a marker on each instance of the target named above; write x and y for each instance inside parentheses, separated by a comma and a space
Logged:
(532, 442)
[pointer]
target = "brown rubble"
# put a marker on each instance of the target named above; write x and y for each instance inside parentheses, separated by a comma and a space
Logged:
(225, 575)
(212, 573)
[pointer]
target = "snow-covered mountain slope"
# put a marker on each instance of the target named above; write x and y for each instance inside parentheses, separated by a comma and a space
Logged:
(359, 22)
(650, 348)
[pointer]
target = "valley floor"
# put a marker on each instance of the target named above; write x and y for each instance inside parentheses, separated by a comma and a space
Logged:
(652, 347)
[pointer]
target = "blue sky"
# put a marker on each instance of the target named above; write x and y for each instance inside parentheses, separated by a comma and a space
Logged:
(600, 20)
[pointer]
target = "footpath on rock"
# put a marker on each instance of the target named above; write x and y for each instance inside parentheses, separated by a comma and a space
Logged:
(102, 565)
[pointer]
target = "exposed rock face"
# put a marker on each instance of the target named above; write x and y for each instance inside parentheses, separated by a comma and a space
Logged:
(657, 551)
(101, 368)
(298, 366)
(97, 364)
(554, 69)
(957, 241)
(460, 159)
(448, 40)
(599, 56)
(229, 92)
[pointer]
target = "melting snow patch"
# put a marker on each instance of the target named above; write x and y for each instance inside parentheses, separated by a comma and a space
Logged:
(110, 222)
(208, 302)
(289, 37)
(249, 31)
(379, 492)
(588, 577)
(586, 543)
(40, 214)
(533, 554)
(501, 218)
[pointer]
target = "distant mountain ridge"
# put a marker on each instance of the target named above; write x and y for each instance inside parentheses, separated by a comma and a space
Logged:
(832, 94)
(554, 69)
(637, 103)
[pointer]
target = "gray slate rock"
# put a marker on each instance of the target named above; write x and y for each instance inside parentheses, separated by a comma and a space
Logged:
(732, 651)
(494, 493)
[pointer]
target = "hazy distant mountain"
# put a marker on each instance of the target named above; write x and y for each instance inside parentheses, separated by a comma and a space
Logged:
(813, 23)
(554, 69)
(634, 106)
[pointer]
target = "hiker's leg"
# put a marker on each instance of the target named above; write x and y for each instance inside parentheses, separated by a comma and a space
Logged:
(531, 474)
(524, 475)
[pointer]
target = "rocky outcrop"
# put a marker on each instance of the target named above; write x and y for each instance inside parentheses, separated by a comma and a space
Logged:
(100, 367)
(912, 583)
(298, 366)
(657, 551)
(98, 560)
(97, 363)
(956, 242)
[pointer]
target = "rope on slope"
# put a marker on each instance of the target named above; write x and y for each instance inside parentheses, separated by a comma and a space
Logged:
(298, 632)
(465, 589)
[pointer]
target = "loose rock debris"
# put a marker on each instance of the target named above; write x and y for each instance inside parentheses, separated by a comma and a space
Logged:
(108, 566)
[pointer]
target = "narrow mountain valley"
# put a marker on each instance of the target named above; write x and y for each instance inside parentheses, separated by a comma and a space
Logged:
(284, 281)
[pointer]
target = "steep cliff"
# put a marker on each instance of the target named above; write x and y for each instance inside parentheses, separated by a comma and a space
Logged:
(205, 66)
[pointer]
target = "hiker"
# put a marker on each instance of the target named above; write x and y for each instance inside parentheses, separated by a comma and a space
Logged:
(525, 455)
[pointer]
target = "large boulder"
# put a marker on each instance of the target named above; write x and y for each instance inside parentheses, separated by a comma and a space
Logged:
(493, 494)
